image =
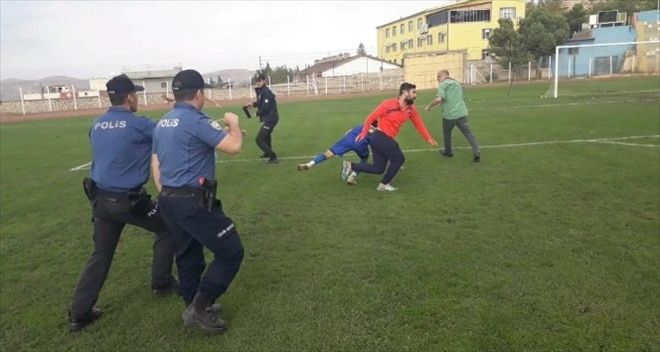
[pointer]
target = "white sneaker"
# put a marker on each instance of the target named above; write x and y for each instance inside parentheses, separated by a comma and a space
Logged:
(386, 188)
(352, 179)
(345, 170)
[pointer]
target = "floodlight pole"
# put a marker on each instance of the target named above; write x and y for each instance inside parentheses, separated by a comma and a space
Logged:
(556, 73)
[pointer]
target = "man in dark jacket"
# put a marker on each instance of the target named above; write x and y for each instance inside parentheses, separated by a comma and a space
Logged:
(267, 112)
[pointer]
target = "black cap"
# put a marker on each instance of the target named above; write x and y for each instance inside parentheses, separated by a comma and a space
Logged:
(122, 85)
(189, 79)
(260, 77)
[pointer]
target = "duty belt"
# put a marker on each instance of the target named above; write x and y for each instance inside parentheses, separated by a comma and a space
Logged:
(115, 196)
(184, 191)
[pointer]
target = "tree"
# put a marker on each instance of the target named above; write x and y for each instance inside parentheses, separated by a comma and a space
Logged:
(542, 31)
(361, 51)
(506, 44)
(576, 17)
(627, 6)
(219, 81)
(211, 82)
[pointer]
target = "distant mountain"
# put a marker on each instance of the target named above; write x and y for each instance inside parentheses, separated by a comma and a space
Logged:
(237, 75)
(9, 87)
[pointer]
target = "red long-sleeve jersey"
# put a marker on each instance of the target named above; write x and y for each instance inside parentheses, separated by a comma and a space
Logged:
(391, 117)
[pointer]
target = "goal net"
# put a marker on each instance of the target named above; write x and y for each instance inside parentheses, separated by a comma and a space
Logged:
(606, 68)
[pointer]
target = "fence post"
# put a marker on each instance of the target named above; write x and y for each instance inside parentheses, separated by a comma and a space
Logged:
(326, 85)
(529, 70)
(20, 90)
(362, 82)
(269, 81)
(50, 104)
(167, 89)
(549, 67)
(509, 72)
(471, 73)
(98, 97)
(144, 92)
(380, 80)
(590, 65)
(251, 90)
(307, 84)
(75, 100)
(288, 86)
(570, 63)
(632, 69)
(229, 81)
(490, 79)
(344, 85)
(611, 68)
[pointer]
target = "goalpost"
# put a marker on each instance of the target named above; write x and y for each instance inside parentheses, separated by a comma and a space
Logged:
(646, 51)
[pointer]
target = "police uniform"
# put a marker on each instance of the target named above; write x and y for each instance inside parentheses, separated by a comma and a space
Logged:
(121, 148)
(185, 141)
(267, 111)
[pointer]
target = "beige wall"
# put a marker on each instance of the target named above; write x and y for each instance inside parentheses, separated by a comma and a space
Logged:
(421, 69)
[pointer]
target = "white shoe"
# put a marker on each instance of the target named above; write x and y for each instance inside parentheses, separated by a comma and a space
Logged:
(386, 188)
(345, 170)
(303, 167)
(352, 179)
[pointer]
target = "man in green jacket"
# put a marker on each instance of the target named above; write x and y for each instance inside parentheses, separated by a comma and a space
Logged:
(454, 113)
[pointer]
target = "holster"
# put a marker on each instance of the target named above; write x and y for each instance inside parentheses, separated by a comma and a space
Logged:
(89, 186)
(210, 188)
(140, 202)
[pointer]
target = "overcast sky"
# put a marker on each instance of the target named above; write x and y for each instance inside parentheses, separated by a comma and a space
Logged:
(87, 39)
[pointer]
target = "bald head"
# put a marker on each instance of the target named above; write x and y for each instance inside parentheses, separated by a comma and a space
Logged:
(442, 75)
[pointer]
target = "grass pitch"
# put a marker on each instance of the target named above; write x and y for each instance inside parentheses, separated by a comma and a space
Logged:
(551, 243)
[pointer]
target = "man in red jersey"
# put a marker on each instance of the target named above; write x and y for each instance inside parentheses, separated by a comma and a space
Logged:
(391, 114)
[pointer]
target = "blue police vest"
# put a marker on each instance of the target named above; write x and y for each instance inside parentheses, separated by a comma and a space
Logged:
(121, 150)
(185, 141)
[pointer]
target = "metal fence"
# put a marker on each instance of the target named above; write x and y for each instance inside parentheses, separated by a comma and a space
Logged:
(302, 86)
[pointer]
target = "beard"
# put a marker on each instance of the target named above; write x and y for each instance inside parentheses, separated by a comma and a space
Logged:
(410, 101)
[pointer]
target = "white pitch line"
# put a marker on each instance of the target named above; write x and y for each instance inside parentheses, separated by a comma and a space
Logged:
(612, 140)
(630, 144)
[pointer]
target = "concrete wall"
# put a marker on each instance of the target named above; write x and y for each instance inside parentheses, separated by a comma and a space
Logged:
(358, 66)
(599, 56)
(421, 69)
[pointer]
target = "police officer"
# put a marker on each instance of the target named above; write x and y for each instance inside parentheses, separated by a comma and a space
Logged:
(121, 151)
(183, 165)
(267, 111)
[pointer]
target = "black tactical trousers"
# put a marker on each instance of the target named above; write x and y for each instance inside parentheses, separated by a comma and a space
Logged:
(264, 141)
(112, 211)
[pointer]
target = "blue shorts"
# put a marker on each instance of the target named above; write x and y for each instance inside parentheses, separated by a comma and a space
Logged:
(343, 146)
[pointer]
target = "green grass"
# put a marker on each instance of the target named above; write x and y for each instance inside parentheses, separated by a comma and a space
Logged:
(548, 247)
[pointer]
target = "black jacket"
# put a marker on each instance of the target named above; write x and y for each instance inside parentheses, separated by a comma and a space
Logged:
(266, 104)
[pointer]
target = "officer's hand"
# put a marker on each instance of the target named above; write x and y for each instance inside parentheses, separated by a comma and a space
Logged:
(230, 119)
(432, 142)
(248, 105)
(359, 138)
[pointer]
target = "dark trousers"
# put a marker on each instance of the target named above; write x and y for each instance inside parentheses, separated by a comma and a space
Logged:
(264, 140)
(111, 214)
(462, 124)
(384, 149)
(192, 227)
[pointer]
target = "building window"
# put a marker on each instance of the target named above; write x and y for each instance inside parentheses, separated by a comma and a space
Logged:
(403, 28)
(410, 26)
(573, 51)
(419, 24)
(402, 45)
(420, 42)
(387, 49)
(429, 40)
(163, 84)
(387, 33)
(485, 33)
(485, 54)
(394, 31)
(470, 16)
(394, 47)
(437, 19)
(410, 43)
(441, 37)
(508, 12)
(395, 61)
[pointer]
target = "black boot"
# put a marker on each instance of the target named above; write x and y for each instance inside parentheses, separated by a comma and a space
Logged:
(200, 313)
(78, 324)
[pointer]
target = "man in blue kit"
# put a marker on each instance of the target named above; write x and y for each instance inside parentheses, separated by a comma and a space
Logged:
(183, 165)
(346, 144)
(121, 152)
